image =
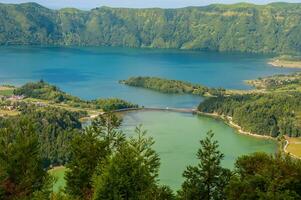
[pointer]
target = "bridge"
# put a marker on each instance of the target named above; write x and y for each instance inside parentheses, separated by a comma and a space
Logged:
(180, 110)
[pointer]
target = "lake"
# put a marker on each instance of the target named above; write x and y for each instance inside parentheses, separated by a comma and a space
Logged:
(177, 137)
(94, 72)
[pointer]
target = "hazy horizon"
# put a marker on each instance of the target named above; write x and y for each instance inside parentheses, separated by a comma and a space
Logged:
(83, 4)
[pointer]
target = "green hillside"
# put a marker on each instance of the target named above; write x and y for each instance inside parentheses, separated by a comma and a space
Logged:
(273, 28)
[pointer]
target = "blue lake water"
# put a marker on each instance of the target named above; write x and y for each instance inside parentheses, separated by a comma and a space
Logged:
(94, 72)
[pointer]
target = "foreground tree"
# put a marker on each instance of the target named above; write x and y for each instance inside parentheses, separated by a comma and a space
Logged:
(208, 179)
(22, 175)
(131, 174)
(90, 149)
(261, 176)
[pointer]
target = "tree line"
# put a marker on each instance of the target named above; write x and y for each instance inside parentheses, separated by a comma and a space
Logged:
(172, 86)
(104, 164)
(45, 91)
(272, 114)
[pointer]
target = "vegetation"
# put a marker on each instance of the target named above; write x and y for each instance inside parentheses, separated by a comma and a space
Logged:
(260, 176)
(21, 165)
(54, 128)
(106, 165)
(6, 90)
(273, 110)
(44, 91)
(294, 146)
(59, 177)
(207, 180)
(290, 82)
(265, 114)
(172, 86)
(239, 27)
(103, 164)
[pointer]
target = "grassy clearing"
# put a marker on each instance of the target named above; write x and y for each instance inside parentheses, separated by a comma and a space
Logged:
(65, 106)
(294, 146)
(58, 173)
(6, 91)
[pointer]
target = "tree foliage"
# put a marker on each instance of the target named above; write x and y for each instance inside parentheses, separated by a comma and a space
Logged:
(45, 91)
(208, 179)
(238, 27)
(90, 150)
(22, 175)
(54, 128)
(265, 114)
(132, 172)
(260, 176)
(172, 86)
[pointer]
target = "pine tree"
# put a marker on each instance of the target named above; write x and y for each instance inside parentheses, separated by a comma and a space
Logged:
(90, 150)
(131, 174)
(21, 168)
(207, 180)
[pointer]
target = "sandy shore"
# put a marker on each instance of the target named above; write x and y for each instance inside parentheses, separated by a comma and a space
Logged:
(287, 143)
(286, 64)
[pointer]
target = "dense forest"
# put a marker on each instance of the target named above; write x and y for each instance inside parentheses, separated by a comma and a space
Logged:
(264, 114)
(271, 28)
(54, 128)
(275, 109)
(104, 164)
(172, 86)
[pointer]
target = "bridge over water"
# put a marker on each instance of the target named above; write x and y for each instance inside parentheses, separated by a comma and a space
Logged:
(180, 110)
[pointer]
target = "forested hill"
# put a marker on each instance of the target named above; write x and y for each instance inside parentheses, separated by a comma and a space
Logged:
(240, 27)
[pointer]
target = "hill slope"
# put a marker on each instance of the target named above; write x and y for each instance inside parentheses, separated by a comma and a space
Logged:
(239, 27)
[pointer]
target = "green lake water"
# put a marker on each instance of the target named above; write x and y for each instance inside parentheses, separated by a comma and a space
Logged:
(177, 138)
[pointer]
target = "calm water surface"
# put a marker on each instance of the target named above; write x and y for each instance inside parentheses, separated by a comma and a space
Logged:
(94, 72)
(177, 138)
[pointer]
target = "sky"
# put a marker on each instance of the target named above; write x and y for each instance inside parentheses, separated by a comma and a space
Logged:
(88, 4)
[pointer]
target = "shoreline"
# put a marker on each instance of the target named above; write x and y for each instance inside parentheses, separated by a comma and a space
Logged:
(287, 143)
(285, 64)
(228, 120)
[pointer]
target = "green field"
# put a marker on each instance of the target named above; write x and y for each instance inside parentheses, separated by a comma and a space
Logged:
(58, 173)
(6, 91)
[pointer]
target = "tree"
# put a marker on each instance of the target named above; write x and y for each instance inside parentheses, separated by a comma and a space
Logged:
(131, 174)
(89, 150)
(261, 176)
(21, 168)
(208, 179)
(162, 193)
(107, 126)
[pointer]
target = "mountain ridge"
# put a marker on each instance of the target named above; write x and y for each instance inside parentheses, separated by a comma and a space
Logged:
(270, 28)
